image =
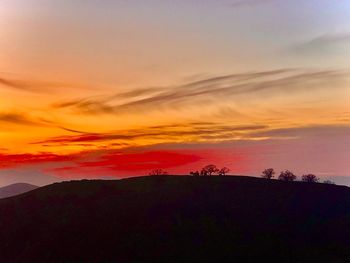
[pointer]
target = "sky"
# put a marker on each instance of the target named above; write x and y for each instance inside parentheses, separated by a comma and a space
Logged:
(112, 89)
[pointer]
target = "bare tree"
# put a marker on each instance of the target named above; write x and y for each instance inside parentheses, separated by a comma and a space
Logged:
(158, 172)
(196, 173)
(224, 171)
(209, 170)
(268, 173)
(287, 176)
(310, 178)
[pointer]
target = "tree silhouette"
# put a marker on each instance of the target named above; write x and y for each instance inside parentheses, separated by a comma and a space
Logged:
(224, 171)
(158, 172)
(196, 173)
(209, 170)
(287, 176)
(268, 173)
(310, 178)
(204, 172)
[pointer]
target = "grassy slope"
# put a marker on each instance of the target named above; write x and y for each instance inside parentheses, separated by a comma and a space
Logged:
(172, 219)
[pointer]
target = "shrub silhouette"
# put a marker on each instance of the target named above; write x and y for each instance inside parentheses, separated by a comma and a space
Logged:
(209, 170)
(196, 173)
(328, 182)
(268, 173)
(287, 176)
(224, 171)
(158, 172)
(310, 178)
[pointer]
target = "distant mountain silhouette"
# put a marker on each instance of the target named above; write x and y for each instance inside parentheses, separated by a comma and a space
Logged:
(16, 189)
(177, 219)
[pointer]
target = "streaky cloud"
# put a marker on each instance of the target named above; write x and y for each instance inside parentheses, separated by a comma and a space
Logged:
(323, 44)
(19, 119)
(16, 84)
(199, 92)
(306, 132)
(331, 39)
(27, 85)
(33, 85)
(172, 132)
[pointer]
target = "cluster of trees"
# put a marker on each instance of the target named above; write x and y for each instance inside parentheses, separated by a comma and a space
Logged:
(158, 172)
(269, 173)
(210, 170)
(290, 176)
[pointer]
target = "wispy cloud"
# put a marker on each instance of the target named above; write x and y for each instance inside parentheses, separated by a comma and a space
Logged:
(312, 131)
(171, 133)
(15, 84)
(193, 132)
(200, 92)
(331, 39)
(324, 43)
(19, 119)
(24, 84)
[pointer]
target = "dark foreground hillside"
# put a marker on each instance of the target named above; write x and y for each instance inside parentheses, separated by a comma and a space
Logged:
(177, 219)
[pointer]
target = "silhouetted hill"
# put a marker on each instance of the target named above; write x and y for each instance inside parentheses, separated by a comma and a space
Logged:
(16, 189)
(177, 219)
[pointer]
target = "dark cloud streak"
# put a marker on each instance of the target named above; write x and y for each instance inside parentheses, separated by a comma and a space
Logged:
(199, 130)
(18, 119)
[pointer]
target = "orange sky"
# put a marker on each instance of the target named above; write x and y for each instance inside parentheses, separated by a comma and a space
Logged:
(86, 82)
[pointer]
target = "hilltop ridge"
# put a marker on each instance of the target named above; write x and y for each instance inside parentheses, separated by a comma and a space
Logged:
(177, 219)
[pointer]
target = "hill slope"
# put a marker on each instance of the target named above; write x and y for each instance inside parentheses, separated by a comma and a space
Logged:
(177, 219)
(16, 189)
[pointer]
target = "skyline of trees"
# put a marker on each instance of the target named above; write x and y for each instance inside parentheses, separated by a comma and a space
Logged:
(286, 175)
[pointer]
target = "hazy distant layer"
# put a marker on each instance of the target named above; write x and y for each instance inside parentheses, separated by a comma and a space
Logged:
(15, 189)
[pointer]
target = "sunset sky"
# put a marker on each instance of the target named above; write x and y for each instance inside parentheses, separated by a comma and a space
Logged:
(116, 88)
